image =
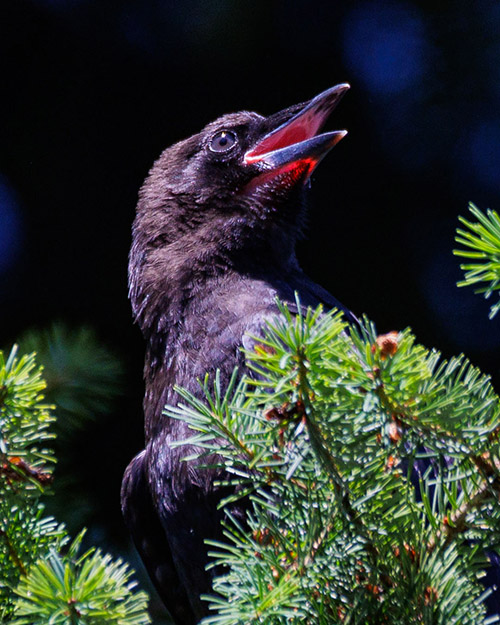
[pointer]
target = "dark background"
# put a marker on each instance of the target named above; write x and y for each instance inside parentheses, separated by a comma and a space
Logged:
(93, 91)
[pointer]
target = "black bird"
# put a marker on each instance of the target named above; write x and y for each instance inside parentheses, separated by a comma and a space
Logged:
(213, 246)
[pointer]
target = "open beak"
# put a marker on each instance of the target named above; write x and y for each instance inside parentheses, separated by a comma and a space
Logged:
(293, 143)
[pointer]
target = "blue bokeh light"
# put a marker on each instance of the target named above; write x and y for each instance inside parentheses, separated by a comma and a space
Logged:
(384, 44)
(10, 226)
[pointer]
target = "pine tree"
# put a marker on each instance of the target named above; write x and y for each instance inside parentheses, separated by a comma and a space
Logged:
(43, 577)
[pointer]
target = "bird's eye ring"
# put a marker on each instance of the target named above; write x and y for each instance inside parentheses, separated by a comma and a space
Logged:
(223, 141)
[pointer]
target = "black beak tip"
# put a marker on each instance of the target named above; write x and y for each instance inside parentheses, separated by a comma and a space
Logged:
(326, 101)
(341, 88)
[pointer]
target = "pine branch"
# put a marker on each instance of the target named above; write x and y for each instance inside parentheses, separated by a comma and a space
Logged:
(41, 581)
(91, 589)
(482, 238)
(343, 424)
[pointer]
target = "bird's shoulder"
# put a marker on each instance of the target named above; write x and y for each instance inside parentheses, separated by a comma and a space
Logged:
(239, 307)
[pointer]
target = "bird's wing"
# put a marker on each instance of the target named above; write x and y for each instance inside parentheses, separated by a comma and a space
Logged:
(149, 538)
(310, 295)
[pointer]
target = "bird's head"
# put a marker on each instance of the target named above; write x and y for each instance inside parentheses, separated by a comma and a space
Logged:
(233, 193)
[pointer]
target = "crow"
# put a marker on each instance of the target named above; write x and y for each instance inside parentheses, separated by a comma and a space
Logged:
(213, 246)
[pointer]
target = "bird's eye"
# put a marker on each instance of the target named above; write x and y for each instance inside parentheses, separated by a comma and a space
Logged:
(223, 141)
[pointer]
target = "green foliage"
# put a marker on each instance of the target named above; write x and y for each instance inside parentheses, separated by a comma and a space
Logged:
(373, 470)
(24, 422)
(483, 242)
(91, 589)
(39, 583)
(25, 470)
(24, 534)
(83, 379)
(82, 376)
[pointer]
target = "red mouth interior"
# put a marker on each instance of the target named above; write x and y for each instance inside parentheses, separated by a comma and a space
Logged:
(290, 173)
(303, 127)
(275, 141)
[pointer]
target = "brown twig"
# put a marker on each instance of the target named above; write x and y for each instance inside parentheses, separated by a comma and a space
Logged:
(455, 523)
(16, 469)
